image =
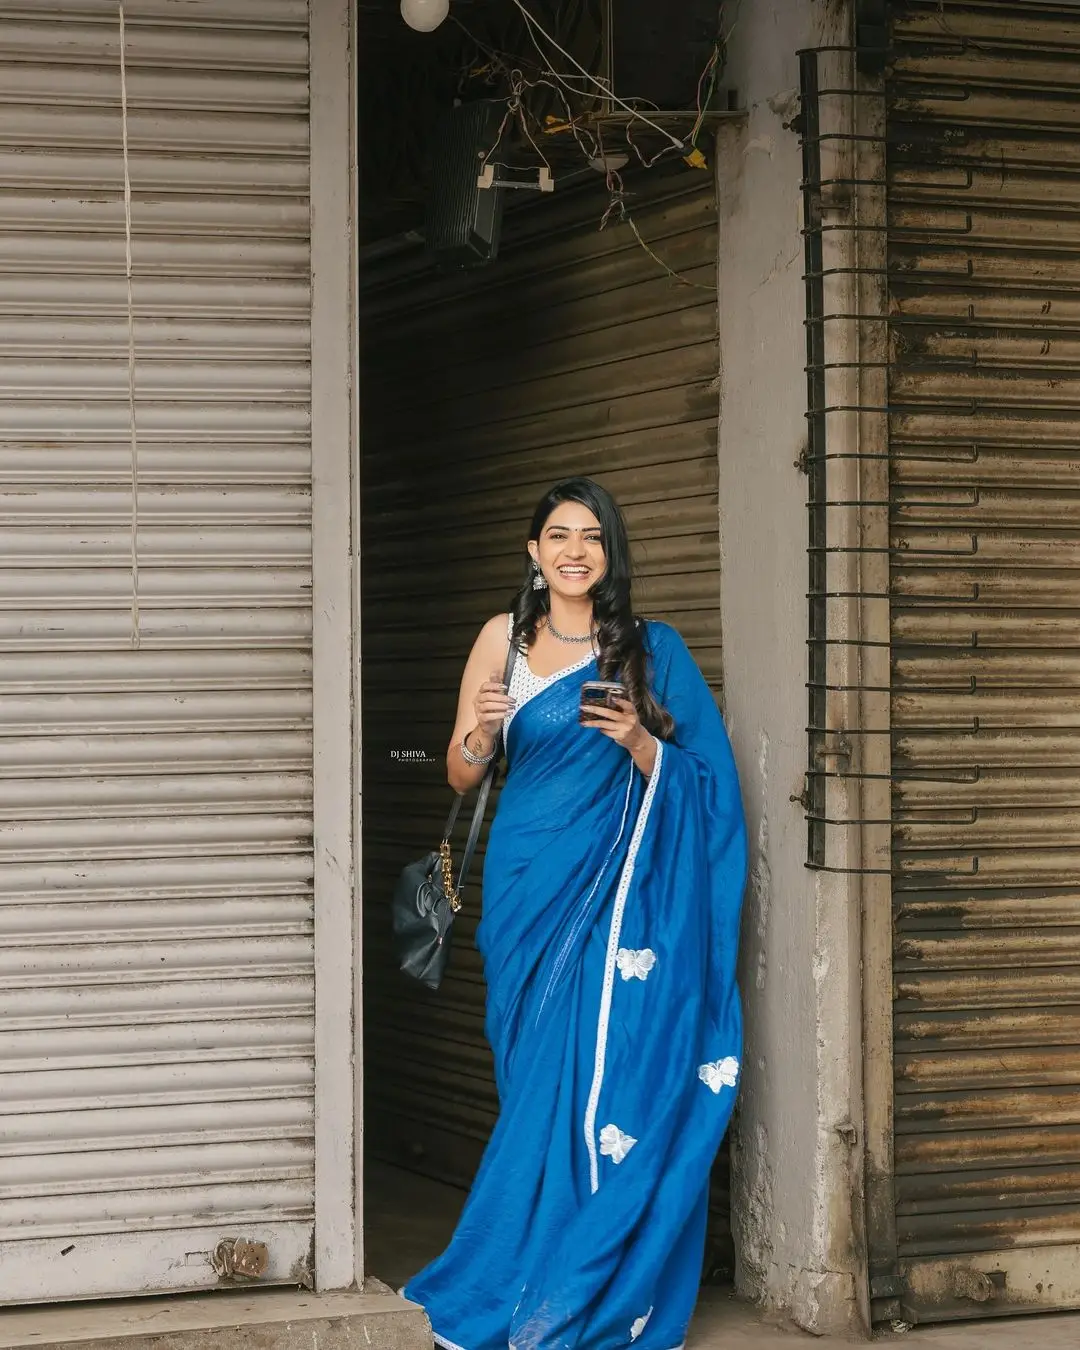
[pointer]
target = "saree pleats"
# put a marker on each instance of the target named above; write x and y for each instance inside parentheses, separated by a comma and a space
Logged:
(609, 936)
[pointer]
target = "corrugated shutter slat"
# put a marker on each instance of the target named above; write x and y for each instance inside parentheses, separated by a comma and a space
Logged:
(984, 280)
(156, 959)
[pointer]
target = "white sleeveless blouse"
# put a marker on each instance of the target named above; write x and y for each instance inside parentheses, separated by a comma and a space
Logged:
(524, 685)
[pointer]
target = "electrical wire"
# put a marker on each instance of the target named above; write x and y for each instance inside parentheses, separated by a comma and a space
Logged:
(618, 205)
(653, 159)
(675, 276)
(499, 63)
(703, 103)
(564, 80)
(535, 26)
(517, 88)
(498, 59)
(506, 65)
(726, 36)
(128, 272)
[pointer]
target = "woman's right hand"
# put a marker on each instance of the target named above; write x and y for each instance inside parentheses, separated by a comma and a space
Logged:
(482, 705)
(491, 705)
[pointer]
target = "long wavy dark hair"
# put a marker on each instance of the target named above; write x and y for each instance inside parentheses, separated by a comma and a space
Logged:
(620, 637)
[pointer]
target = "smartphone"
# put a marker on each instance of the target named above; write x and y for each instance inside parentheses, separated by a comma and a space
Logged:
(599, 694)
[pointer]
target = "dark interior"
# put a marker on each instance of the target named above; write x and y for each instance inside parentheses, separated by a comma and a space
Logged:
(587, 345)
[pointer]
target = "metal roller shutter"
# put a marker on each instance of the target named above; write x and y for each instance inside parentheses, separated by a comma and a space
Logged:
(575, 353)
(984, 279)
(156, 969)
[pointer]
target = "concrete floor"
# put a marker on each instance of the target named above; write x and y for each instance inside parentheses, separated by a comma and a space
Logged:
(408, 1220)
(723, 1323)
(263, 1319)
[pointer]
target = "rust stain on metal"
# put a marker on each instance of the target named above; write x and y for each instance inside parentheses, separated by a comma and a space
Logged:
(984, 422)
(240, 1258)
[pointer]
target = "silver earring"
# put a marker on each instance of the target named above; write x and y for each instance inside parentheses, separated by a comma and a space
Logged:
(539, 580)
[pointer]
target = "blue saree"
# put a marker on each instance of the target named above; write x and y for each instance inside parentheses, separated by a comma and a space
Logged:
(609, 934)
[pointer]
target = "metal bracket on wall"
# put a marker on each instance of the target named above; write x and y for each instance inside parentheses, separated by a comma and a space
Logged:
(544, 181)
(840, 658)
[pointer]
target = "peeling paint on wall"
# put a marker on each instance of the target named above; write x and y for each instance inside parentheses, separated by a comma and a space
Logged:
(752, 1219)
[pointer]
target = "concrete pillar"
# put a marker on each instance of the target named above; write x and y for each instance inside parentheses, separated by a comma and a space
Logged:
(797, 1196)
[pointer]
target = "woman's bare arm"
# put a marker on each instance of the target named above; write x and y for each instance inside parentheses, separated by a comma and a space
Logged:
(481, 705)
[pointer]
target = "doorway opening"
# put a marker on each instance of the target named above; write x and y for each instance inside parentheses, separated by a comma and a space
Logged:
(586, 345)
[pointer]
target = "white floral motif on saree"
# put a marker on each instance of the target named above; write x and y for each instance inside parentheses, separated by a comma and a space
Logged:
(721, 1073)
(640, 1325)
(635, 965)
(614, 1144)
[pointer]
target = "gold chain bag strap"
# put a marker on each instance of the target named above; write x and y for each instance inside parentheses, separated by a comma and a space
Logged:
(426, 897)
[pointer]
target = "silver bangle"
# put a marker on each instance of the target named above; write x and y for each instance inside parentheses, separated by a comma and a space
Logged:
(477, 760)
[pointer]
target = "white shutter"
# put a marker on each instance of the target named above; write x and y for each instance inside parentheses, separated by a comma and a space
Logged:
(156, 966)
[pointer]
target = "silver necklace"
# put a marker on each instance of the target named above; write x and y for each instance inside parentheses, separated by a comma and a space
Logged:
(563, 637)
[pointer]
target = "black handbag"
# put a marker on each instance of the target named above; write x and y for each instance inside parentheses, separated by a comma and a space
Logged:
(426, 898)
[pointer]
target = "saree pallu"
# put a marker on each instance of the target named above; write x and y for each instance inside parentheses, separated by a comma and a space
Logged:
(609, 935)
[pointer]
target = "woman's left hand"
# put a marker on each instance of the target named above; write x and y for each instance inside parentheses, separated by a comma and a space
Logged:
(621, 723)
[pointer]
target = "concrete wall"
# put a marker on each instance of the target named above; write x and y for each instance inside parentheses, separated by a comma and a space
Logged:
(796, 1189)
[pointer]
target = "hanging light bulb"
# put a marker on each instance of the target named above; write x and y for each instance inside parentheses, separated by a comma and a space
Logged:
(424, 15)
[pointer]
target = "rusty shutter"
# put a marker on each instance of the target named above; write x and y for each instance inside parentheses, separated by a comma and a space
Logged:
(574, 353)
(984, 275)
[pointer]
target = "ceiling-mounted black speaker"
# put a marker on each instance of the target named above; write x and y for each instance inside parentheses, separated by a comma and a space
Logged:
(658, 50)
(464, 220)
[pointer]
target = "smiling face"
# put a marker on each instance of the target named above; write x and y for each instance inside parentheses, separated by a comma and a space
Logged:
(570, 550)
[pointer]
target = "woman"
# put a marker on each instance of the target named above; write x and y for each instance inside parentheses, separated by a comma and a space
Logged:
(612, 886)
